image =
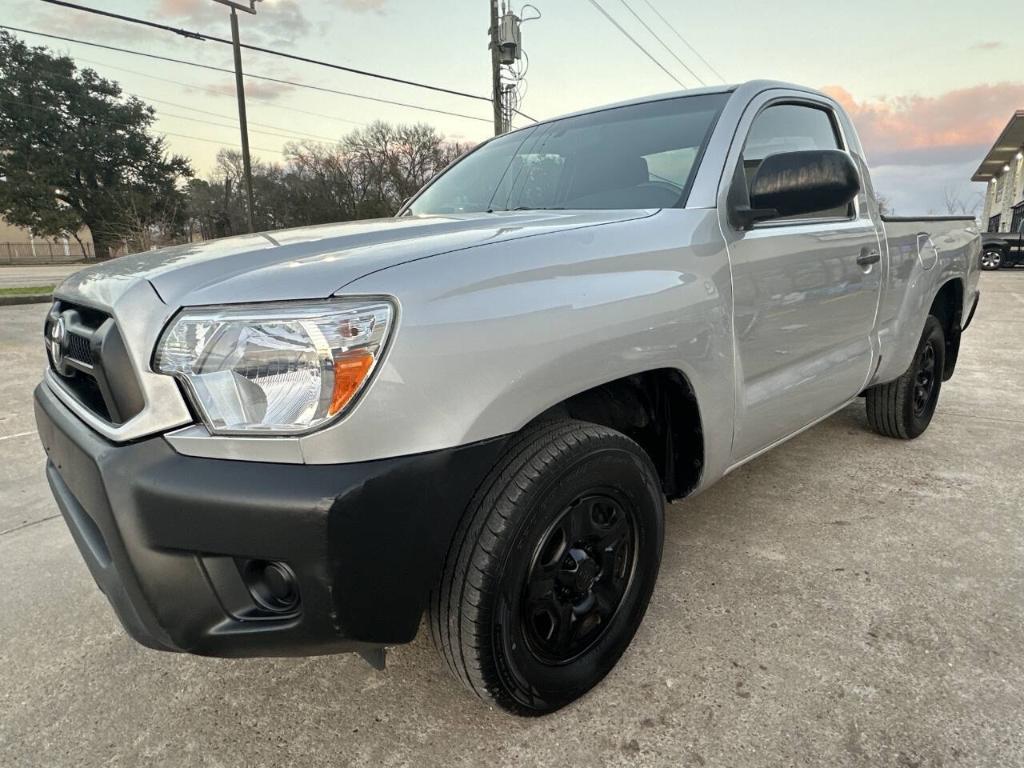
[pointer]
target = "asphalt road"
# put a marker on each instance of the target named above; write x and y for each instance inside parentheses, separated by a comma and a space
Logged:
(45, 274)
(845, 600)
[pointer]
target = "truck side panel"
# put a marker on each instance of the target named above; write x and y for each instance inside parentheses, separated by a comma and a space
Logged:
(923, 255)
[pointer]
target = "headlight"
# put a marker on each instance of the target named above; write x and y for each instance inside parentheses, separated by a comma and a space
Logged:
(275, 368)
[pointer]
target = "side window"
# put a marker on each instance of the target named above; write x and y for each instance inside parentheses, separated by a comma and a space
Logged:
(790, 128)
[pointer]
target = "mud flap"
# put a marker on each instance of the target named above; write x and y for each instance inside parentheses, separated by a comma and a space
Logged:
(375, 657)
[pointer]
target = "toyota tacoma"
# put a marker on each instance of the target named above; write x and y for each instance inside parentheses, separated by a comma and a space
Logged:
(304, 441)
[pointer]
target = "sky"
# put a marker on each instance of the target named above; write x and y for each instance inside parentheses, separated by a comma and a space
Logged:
(928, 85)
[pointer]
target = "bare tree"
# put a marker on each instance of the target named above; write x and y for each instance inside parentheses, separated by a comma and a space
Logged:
(884, 205)
(367, 174)
(959, 205)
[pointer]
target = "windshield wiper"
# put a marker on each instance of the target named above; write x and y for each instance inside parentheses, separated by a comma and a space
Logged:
(525, 208)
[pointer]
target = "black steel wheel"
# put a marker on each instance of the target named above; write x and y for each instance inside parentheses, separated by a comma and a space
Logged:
(925, 380)
(552, 568)
(904, 408)
(579, 573)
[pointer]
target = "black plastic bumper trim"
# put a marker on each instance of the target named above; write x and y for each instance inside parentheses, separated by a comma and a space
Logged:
(365, 541)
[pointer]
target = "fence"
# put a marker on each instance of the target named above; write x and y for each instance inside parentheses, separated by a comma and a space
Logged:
(44, 252)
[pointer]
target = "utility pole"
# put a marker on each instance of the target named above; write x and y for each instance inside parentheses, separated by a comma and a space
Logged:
(496, 92)
(506, 51)
(240, 91)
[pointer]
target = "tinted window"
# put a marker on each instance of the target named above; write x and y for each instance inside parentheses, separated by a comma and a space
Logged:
(640, 156)
(790, 128)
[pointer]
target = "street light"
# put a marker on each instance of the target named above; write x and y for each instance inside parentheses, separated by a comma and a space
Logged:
(246, 6)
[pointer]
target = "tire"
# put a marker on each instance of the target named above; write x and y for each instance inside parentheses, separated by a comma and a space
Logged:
(991, 258)
(904, 408)
(532, 609)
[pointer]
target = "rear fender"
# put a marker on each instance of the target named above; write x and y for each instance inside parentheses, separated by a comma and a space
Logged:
(911, 288)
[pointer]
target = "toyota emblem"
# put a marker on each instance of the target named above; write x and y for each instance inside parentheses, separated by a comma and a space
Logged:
(58, 336)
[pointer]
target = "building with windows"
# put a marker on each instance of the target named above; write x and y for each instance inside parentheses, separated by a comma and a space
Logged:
(1003, 171)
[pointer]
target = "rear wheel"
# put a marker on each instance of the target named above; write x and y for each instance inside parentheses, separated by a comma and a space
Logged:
(991, 258)
(551, 570)
(904, 408)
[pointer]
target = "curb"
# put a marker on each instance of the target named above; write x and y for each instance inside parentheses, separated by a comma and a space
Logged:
(28, 298)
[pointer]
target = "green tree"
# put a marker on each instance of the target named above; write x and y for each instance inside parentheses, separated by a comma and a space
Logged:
(74, 151)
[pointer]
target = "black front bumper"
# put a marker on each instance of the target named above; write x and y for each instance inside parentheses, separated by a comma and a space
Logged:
(166, 536)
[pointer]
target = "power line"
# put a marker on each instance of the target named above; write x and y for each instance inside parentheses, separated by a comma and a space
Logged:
(248, 75)
(116, 124)
(202, 36)
(685, 41)
(92, 44)
(664, 45)
(268, 101)
(324, 89)
(634, 42)
(164, 115)
(221, 143)
(281, 131)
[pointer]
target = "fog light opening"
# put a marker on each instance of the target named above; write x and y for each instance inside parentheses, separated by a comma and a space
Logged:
(272, 585)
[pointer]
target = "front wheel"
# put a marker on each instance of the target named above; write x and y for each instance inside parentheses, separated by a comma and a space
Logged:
(551, 570)
(991, 259)
(904, 408)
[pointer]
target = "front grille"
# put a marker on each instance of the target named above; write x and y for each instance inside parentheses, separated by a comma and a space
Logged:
(86, 352)
(79, 348)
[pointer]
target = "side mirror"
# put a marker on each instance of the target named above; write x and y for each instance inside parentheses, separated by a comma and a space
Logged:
(797, 183)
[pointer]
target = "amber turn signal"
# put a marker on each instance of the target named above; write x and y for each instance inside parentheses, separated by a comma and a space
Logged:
(350, 372)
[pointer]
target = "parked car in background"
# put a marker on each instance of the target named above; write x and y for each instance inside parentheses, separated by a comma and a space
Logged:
(298, 442)
(1003, 249)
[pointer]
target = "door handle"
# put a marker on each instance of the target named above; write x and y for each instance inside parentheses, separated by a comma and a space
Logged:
(869, 257)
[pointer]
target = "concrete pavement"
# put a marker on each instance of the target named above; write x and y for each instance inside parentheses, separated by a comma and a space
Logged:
(845, 600)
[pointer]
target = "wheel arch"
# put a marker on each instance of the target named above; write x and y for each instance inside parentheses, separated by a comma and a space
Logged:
(656, 408)
(1002, 246)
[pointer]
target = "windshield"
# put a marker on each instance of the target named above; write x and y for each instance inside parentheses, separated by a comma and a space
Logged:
(640, 156)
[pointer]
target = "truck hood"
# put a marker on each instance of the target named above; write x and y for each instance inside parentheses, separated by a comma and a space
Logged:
(311, 262)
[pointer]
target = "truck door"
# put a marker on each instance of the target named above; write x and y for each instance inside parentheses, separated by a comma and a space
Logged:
(806, 288)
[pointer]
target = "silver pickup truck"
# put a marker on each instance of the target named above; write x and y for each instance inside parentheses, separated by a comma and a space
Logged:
(302, 441)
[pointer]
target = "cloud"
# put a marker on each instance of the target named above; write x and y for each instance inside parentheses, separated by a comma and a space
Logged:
(190, 11)
(255, 89)
(275, 24)
(950, 127)
(285, 17)
(364, 6)
(48, 18)
(914, 190)
(919, 147)
(988, 45)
